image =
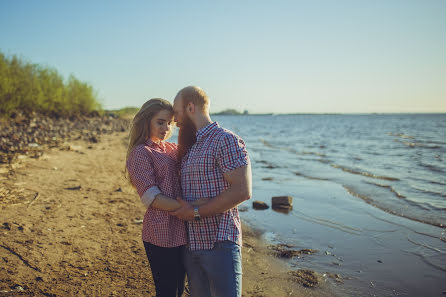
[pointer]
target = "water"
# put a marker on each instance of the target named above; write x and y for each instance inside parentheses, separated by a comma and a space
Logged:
(369, 193)
(394, 162)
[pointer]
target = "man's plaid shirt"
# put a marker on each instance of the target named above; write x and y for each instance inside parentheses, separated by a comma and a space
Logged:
(216, 152)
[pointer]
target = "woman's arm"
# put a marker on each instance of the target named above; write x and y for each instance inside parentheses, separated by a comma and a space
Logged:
(165, 203)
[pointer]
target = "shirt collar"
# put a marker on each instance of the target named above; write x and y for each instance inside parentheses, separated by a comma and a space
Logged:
(203, 132)
(150, 143)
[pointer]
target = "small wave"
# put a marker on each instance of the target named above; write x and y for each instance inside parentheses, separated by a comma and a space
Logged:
(437, 183)
(363, 197)
(327, 223)
(418, 144)
(391, 189)
(425, 245)
(430, 192)
(364, 173)
(314, 153)
(309, 177)
(402, 197)
(406, 227)
(325, 161)
(401, 135)
(434, 142)
(267, 164)
(431, 167)
(370, 201)
(291, 150)
(266, 143)
(425, 260)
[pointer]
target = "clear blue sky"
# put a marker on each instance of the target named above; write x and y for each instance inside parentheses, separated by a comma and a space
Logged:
(260, 56)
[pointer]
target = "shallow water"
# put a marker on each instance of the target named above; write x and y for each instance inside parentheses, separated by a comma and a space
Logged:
(394, 162)
(369, 193)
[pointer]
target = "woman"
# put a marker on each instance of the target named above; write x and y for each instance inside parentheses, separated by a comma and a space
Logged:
(152, 168)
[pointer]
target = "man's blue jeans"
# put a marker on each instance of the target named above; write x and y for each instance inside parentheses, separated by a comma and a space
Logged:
(216, 272)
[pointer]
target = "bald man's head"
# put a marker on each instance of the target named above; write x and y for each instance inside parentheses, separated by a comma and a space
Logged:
(194, 94)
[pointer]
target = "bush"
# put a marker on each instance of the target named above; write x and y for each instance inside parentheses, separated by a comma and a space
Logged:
(26, 87)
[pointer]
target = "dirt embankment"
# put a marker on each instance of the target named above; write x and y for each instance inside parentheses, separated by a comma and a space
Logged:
(31, 134)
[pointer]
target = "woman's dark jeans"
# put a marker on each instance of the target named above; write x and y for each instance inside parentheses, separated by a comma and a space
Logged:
(167, 269)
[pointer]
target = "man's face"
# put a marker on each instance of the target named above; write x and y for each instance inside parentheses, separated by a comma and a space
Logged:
(178, 110)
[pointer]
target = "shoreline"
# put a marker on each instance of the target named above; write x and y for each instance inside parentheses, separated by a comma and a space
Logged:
(372, 252)
(275, 276)
(71, 227)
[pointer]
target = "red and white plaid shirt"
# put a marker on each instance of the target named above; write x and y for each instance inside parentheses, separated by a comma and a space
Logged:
(151, 165)
(216, 151)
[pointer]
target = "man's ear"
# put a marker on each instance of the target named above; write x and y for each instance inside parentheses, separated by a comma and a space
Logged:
(190, 107)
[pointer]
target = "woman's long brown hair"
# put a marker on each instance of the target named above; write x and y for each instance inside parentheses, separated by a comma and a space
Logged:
(140, 129)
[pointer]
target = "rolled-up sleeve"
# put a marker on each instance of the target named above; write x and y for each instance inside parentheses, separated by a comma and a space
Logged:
(141, 170)
(232, 153)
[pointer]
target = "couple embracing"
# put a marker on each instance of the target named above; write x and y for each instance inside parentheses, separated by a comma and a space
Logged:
(191, 191)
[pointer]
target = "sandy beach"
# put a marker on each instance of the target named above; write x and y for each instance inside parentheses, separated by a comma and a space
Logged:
(71, 226)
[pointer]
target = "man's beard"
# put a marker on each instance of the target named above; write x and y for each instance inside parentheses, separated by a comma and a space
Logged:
(186, 137)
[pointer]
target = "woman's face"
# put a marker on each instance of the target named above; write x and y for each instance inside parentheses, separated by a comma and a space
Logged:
(161, 125)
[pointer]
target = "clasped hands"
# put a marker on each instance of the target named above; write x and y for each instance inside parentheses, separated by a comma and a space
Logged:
(186, 210)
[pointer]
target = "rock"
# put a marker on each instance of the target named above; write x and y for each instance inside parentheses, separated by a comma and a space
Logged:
(18, 288)
(73, 188)
(307, 251)
(337, 277)
(7, 226)
(137, 221)
(30, 133)
(282, 202)
(259, 205)
(305, 277)
(282, 210)
(73, 147)
(93, 139)
(286, 251)
(242, 208)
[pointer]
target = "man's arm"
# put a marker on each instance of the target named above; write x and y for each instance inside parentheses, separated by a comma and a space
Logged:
(240, 189)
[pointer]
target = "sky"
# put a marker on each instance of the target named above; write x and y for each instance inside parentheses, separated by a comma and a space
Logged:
(260, 56)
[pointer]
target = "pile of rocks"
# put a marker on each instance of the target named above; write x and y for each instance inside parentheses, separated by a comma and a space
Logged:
(30, 134)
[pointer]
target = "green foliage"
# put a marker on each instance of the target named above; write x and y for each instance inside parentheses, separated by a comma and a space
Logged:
(26, 87)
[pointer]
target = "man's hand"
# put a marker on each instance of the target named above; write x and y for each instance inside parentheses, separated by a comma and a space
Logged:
(185, 212)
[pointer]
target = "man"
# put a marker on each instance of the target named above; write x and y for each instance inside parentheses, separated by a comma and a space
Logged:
(215, 165)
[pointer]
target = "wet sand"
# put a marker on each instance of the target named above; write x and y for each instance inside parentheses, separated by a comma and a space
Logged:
(71, 226)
